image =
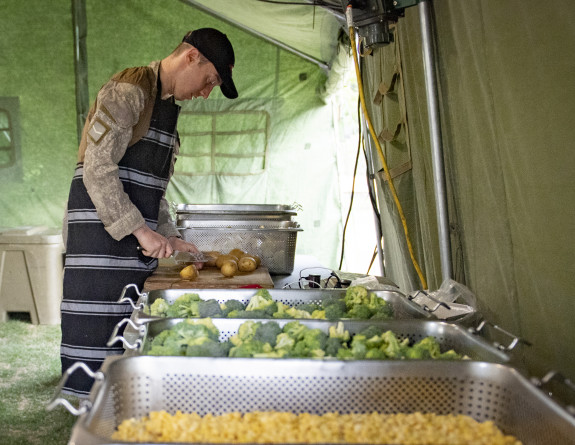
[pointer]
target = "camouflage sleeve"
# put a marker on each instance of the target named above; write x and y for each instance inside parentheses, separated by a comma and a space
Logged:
(109, 132)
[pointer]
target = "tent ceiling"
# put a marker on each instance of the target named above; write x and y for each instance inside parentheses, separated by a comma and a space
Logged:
(307, 30)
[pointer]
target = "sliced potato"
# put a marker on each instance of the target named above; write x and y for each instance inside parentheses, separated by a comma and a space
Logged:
(189, 273)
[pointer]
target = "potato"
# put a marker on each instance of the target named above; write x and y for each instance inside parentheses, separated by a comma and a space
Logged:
(189, 273)
(237, 253)
(229, 268)
(212, 257)
(247, 264)
(258, 260)
(220, 260)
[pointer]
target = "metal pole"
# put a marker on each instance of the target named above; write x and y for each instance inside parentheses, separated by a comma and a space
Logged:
(80, 63)
(207, 10)
(436, 143)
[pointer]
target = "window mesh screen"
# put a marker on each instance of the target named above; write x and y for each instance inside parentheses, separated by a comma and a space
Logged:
(223, 143)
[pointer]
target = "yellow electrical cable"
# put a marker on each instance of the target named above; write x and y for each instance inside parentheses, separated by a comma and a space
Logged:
(382, 158)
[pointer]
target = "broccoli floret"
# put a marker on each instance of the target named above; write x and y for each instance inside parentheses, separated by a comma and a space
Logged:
(315, 339)
(281, 312)
(384, 314)
(338, 331)
(318, 315)
(332, 345)
(381, 309)
(230, 306)
(277, 353)
(360, 311)
(335, 310)
(424, 349)
(371, 331)
(284, 342)
(392, 347)
(358, 346)
(375, 354)
(249, 349)
(264, 293)
(184, 306)
(159, 339)
(344, 353)
(297, 313)
(309, 307)
(450, 355)
(245, 333)
(295, 330)
(208, 348)
(248, 314)
(165, 350)
(192, 331)
(260, 303)
(159, 307)
(356, 295)
(267, 332)
(209, 308)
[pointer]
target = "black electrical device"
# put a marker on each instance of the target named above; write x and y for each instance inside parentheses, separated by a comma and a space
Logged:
(373, 17)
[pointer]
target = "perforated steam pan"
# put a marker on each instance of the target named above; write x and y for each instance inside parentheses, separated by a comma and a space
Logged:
(402, 307)
(133, 387)
(449, 336)
(235, 211)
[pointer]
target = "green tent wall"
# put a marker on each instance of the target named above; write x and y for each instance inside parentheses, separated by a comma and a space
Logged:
(506, 104)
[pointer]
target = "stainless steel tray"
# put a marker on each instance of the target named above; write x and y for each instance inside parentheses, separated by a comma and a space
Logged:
(402, 307)
(135, 386)
(449, 336)
(275, 246)
(235, 211)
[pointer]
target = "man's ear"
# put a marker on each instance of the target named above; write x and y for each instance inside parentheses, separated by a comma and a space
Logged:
(192, 54)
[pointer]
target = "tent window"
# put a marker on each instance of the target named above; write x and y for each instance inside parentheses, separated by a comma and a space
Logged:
(7, 148)
(223, 143)
(10, 154)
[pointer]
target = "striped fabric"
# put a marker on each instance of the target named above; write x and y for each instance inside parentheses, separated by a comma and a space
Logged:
(97, 267)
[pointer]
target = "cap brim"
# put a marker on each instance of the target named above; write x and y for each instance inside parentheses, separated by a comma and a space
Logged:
(228, 88)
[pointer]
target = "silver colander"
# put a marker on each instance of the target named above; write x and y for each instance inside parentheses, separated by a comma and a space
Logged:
(135, 386)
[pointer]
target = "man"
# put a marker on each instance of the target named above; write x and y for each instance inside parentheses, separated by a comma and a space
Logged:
(118, 222)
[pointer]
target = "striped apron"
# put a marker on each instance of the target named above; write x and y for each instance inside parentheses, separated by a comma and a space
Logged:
(97, 267)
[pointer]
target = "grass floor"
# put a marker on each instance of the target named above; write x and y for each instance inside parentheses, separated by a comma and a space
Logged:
(29, 374)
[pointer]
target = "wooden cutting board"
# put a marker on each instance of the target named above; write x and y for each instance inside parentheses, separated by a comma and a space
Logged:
(167, 276)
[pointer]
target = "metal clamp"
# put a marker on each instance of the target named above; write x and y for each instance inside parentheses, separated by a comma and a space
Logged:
(554, 376)
(141, 296)
(115, 337)
(514, 342)
(85, 405)
(425, 306)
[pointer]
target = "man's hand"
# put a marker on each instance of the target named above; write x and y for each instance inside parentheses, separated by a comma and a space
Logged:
(183, 246)
(153, 244)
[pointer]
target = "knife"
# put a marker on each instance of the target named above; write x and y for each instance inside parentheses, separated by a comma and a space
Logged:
(186, 257)
(189, 257)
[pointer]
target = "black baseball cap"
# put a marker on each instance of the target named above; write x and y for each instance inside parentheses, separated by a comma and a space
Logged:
(216, 47)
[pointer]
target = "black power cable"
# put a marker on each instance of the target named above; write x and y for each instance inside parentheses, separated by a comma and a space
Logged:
(353, 184)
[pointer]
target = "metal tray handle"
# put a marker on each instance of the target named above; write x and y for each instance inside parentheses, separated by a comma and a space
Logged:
(514, 342)
(425, 306)
(115, 337)
(554, 376)
(143, 297)
(85, 405)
